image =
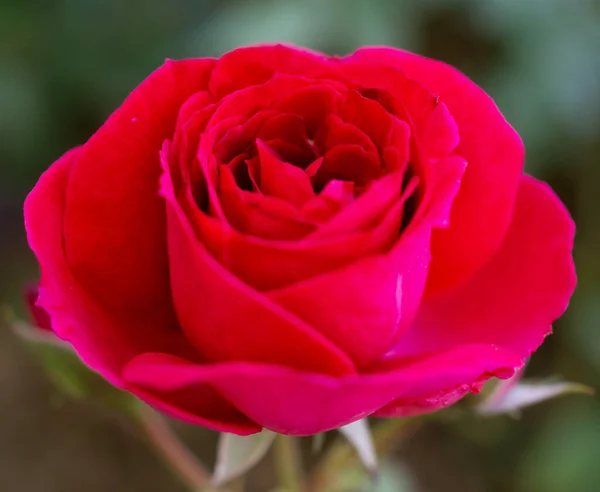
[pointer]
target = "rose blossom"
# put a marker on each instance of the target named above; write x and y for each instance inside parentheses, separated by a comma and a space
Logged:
(285, 240)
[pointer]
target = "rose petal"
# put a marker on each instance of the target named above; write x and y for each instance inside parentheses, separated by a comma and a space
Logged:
(440, 134)
(308, 98)
(237, 139)
(368, 209)
(299, 155)
(40, 315)
(299, 403)
(267, 264)
(334, 131)
(494, 151)
(193, 105)
(449, 174)
(200, 405)
(105, 339)
(283, 180)
(407, 406)
(260, 215)
(329, 202)
(396, 156)
(357, 307)
(512, 301)
(255, 65)
(392, 90)
(412, 253)
(348, 163)
(184, 147)
(288, 128)
(312, 103)
(114, 221)
(361, 307)
(227, 320)
(369, 117)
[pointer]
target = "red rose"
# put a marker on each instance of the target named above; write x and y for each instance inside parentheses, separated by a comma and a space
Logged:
(285, 240)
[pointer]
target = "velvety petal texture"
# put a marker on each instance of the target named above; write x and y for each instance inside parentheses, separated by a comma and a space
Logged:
(285, 240)
(494, 151)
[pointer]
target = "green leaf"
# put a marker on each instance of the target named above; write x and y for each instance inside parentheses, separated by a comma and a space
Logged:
(237, 454)
(318, 441)
(511, 399)
(395, 477)
(391, 477)
(69, 375)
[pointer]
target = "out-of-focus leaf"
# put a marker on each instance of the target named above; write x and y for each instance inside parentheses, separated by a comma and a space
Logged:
(564, 454)
(34, 335)
(524, 394)
(341, 459)
(395, 477)
(392, 477)
(63, 367)
(359, 435)
(237, 454)
(318, 440)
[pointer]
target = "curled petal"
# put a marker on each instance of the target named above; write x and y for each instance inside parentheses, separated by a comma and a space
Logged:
(494, 151)
(225, 319)
(40, 315)
(334, 131)
(281, 179)
(201, 405)
(512, 300)
(299, 403)
(260, 215)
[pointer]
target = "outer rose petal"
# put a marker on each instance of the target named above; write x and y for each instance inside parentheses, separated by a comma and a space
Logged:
(105, 341)
(513, 299)
(200, 405)
(114, 220)
(300, 403)
(482, 210)
(39, 315)
(405, 407)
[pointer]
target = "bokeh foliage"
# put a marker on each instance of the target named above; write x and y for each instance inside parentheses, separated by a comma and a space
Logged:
(66, 64)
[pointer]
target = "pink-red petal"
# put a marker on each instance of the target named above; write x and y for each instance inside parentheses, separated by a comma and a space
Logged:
(226, 320)
(260, 215)
(114, 220)
(483, 208)
(105, 339)
(199, 405)
(281, 179)
(255, 65)
(40, 316)
(299, 403)
(513, 299)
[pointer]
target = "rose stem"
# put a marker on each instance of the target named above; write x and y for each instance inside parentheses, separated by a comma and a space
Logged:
(179, 458)
(287, 463)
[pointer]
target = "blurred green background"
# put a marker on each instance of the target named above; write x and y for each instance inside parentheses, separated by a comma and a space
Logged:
(66, 64)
